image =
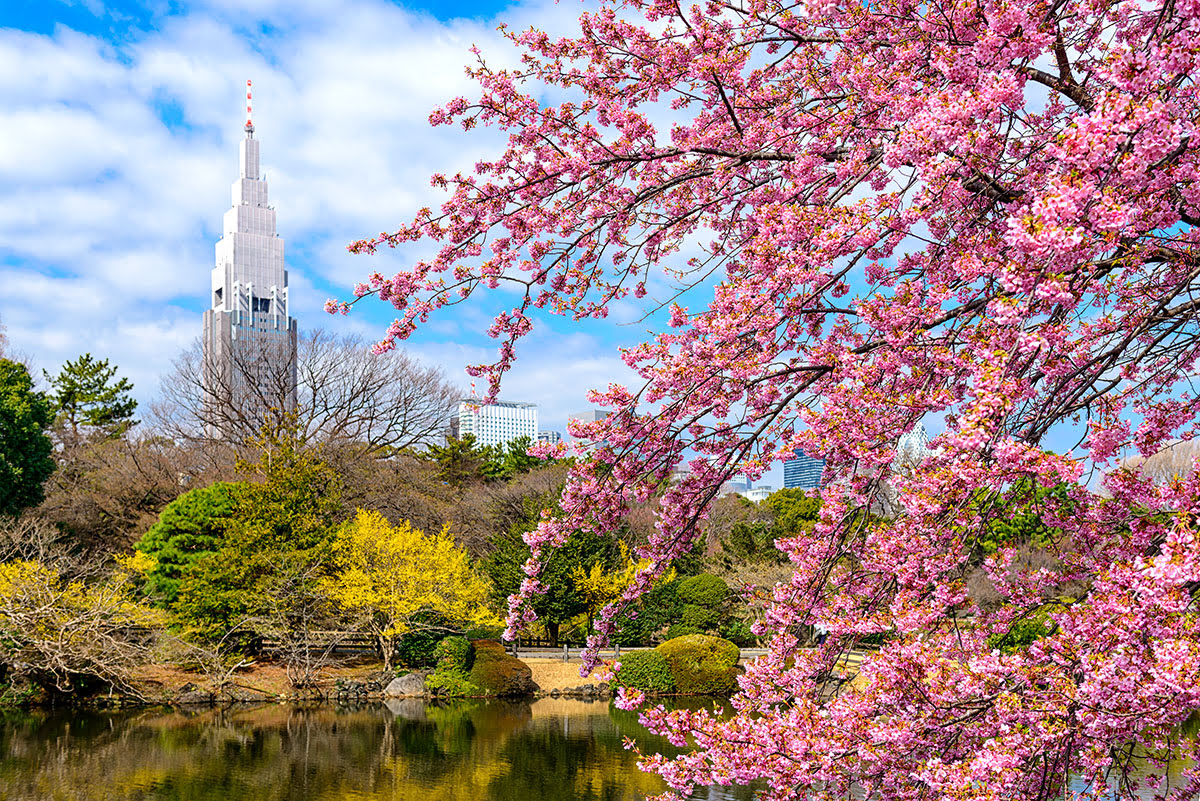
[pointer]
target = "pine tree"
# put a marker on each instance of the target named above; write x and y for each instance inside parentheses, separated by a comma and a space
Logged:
(86, 395)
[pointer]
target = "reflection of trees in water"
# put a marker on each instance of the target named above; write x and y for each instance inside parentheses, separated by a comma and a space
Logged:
(468, 751)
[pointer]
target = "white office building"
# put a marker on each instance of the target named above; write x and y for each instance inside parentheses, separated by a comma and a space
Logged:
(496, 423)
(757, 494)
(248, 330)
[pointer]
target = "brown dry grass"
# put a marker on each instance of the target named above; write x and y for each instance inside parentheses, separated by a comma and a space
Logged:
(555, 674)
(265, 677)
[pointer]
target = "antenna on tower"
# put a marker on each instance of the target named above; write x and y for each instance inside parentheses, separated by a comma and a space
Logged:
(249, 122)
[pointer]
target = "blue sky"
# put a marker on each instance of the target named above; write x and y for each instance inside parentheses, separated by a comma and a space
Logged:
(119, 125)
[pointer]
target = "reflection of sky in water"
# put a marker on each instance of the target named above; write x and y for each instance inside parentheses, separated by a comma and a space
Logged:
(404, 750)
(468, 751)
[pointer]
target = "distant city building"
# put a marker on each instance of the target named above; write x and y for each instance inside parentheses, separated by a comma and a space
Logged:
(911, 448)
(803, 472)
(738, 484)
(495, 423)
(589, 416)
(680, 473)
(757, 494)
(248, 330)
(549, 437)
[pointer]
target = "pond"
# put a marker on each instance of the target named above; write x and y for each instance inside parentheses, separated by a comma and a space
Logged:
(547, 750)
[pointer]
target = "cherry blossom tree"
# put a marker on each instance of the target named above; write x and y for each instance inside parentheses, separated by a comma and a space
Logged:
(980, 215)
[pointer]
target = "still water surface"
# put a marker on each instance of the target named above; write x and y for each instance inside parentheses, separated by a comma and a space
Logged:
(466, 751)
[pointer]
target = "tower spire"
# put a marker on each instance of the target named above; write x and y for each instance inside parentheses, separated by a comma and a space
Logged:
(249, 121)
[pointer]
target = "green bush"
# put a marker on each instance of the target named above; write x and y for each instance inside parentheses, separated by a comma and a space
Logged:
(738, 632)
(646, 671)
(701, 618)
(681, 630)
(704, 590)
(453, 653)
(701, 665)
(190, 527)
(484, 633)
(497, 673)
(416, 649)
(658, 608)
(453, 683)
(1021, 634)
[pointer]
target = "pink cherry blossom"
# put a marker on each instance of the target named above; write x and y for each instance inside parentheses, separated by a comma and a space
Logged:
(977, 213)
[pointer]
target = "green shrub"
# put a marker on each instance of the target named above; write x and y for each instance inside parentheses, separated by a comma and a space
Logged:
(657, 610)
(453, 653)
(1021, 634)
(454, 683)
(701, 618)
(738, 632)
(646, 671)
(416, 649)
(681, 630)
(704, 590)
(190, 527)
(484, 633)
(497, 673)
(701, 665)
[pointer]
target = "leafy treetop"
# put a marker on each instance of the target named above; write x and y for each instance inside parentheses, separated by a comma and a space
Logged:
(25, 450)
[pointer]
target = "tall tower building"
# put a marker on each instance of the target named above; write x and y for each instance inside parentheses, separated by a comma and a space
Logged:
(249, 335)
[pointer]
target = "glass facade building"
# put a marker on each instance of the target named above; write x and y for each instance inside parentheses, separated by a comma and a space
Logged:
(803, 472)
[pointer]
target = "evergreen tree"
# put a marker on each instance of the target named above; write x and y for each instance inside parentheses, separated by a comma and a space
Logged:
(86, 394)
(460, 461)
(190, 528)
(279, 534)
(25, 460)
(505, 461)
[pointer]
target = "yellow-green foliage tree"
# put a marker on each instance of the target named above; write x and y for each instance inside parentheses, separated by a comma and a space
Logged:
(275, 548)
(61, 631)
(600, 587)
(389, 574)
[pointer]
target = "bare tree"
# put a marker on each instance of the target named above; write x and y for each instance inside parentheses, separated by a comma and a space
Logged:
(1175, 461)
(110, 491)
(343, 395)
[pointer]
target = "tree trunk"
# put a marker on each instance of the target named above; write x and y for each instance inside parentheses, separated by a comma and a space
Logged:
(385, 650)
(552, 630)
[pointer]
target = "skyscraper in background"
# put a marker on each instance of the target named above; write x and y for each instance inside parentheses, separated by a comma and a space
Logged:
(249, 335)
(803, 472)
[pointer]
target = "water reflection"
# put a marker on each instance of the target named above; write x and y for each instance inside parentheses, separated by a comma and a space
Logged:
(468, 751)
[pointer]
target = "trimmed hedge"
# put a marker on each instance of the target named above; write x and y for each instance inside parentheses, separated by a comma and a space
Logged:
(703, 590)
(646, 671)
(701, 665)
(497, 673)
(681, 630)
